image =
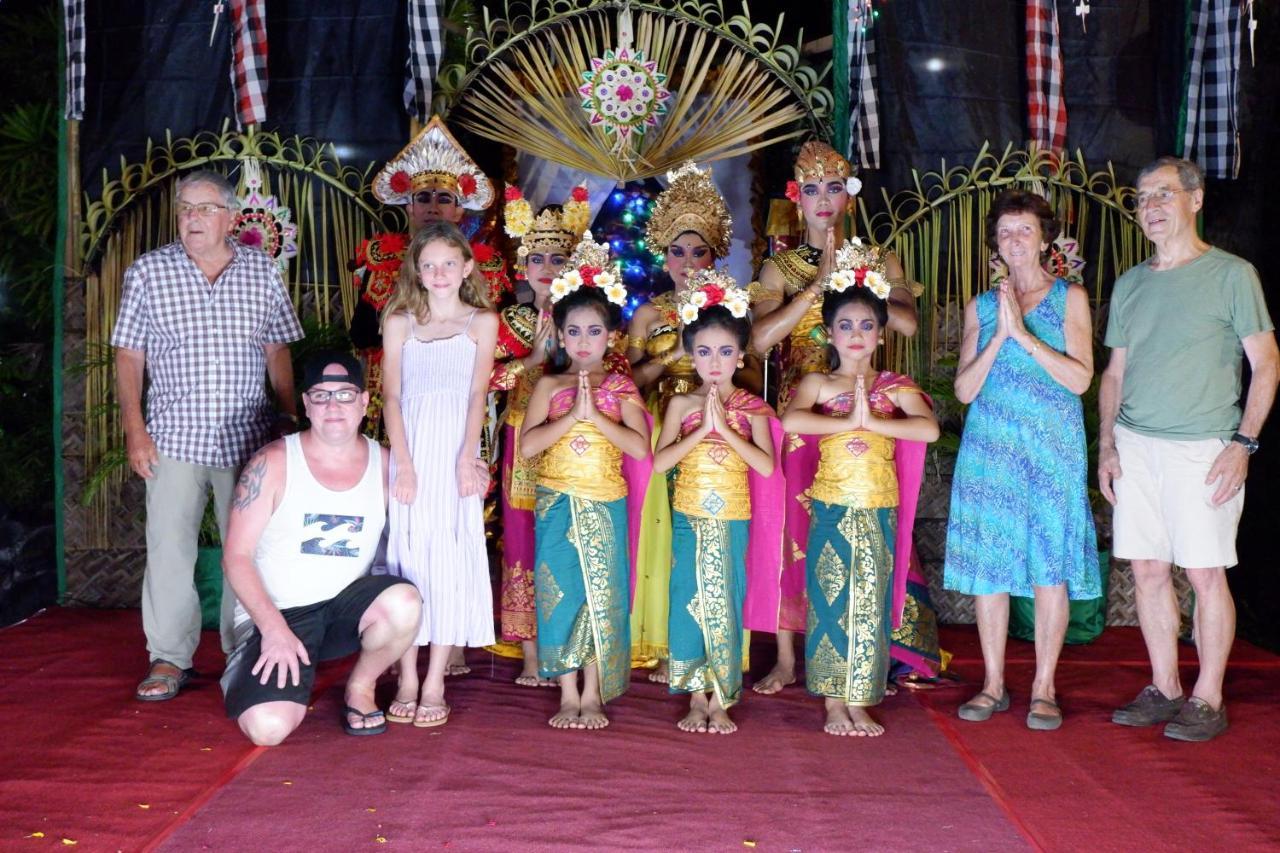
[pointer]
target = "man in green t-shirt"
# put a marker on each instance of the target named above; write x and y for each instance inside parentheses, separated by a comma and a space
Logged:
(1175, 445)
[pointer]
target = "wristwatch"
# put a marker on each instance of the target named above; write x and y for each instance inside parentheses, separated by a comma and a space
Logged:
(1250, 444)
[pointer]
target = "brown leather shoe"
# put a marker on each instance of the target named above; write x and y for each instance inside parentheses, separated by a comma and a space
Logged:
(1150, 707)
(1197, 721)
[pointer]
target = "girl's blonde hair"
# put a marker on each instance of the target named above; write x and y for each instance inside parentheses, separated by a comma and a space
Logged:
(411, 297)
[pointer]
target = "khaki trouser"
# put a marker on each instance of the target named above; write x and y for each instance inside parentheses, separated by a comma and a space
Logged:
(176, 498)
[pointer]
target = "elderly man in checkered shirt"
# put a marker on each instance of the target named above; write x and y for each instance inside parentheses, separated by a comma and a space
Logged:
(203, 318)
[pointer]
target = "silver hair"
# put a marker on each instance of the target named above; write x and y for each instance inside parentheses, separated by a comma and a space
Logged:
(1190, 175)
(213, 179)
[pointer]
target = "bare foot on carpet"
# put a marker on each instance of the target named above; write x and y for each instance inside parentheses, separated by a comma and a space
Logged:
(778, 678)
(567, 716)
(838, 720)
(863, 724)
(696, 720)
(457, 662)
(719, 722)
(660, 674)
(592, 716)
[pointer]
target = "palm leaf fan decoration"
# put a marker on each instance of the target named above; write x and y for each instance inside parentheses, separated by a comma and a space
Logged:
(629, 90)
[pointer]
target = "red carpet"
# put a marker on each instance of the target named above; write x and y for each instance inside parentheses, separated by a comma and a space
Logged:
(81, 760)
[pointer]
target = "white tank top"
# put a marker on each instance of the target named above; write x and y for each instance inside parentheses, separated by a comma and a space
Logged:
(319, 540)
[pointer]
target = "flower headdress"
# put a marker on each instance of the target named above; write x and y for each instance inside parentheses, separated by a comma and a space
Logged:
(589, 266)
(859, 264)
(708, 288)
(818, 160)
(550, 231)
(690, 203)
(433, 161)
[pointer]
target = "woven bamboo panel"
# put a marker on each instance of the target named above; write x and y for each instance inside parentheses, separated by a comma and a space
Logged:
(104, 577)
(1122, 606)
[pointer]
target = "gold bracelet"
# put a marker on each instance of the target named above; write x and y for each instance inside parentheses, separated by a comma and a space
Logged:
(636, 342)
(807, 295)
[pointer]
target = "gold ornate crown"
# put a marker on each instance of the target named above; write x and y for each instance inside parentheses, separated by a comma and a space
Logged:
(690, 203)
(859, 264)
(818, 160)
(433, 161)
(708, 288)
(551, 230)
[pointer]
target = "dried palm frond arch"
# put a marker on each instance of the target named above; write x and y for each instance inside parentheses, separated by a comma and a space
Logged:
(133, 214)
(735, 86)
(937, 228)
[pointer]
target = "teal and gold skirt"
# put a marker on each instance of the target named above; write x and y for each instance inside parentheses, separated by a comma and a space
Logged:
(708, 587)
(849, 580)
(581, 588)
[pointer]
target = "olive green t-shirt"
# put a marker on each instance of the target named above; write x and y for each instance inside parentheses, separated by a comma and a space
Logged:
(1181, 331)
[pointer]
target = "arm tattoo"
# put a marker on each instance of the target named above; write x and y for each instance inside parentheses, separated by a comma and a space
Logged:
(250, 485)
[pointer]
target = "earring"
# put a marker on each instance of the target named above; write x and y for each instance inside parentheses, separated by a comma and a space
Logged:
(741, 364)
(880, 343)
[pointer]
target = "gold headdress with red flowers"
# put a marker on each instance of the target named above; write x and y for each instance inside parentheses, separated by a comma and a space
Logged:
(818, 160)
(550, 231)
(433, 161)
(708, 288)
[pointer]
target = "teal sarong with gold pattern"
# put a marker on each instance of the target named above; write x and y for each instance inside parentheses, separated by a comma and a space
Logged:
(581, 588)
(708, 588)
(849, 581)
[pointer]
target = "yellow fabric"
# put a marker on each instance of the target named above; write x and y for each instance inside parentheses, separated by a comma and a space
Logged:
(653, 571)
(712, 475)
(583, 449)
(856, 469)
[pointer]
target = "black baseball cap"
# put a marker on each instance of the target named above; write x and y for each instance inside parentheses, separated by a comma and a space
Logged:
(313, 371)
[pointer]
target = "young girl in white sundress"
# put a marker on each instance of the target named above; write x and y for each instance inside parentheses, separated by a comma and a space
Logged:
(438, 338)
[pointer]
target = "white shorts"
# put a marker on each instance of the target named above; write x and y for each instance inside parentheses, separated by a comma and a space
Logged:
(1164, 510)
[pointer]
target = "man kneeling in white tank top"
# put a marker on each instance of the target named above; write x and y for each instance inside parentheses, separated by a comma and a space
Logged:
(306, 520)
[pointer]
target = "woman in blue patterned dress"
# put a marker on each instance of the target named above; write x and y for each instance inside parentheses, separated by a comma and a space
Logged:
(1020, 521)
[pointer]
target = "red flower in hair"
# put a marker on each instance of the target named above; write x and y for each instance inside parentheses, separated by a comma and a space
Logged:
(466, 184)
(512, 193)
(860, 276)
(793, 191)
(579, 194)
(401, 182)
(715, 294)
(589, 275)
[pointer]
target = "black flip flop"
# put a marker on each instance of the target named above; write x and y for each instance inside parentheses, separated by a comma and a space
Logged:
(348, 712)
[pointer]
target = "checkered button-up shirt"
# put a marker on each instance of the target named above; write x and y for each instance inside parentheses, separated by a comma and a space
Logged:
(207, 401)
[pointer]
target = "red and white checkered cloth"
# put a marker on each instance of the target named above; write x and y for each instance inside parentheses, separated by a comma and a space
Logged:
(1046, 108)
(249, 60)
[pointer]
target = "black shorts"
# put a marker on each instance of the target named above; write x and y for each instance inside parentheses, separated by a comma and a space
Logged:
(328, 630)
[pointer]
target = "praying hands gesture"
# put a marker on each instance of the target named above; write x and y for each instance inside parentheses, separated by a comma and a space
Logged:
(1009, 322)
(712, 415)
(584, 408)
(860, 417)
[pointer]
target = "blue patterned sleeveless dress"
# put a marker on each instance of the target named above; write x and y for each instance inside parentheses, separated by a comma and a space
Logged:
(1020, 513)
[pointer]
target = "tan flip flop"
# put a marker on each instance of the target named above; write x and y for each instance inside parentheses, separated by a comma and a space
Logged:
(427, 724)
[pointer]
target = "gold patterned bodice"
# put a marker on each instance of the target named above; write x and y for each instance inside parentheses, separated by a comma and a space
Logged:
(856, 467)
(583, 463)
(711, 480)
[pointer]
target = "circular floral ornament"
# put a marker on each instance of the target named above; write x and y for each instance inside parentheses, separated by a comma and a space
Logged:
(624, 92)
(263, 224)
